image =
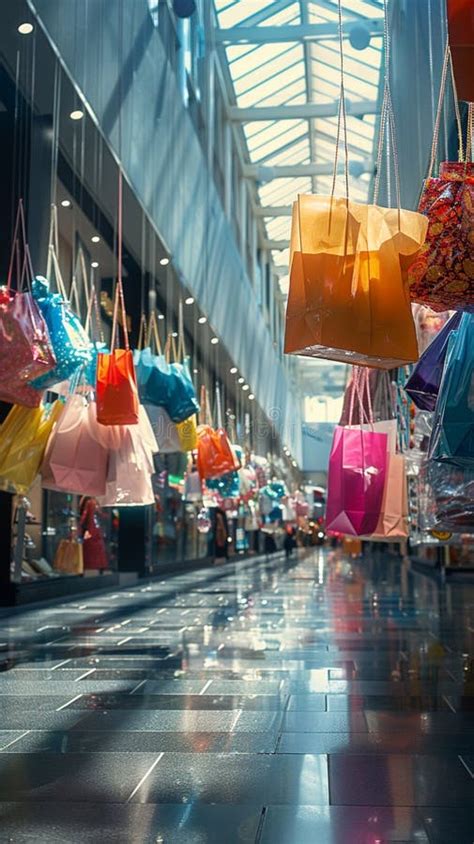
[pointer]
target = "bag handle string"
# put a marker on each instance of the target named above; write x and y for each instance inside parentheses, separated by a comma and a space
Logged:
(447, 65)
(119, 297)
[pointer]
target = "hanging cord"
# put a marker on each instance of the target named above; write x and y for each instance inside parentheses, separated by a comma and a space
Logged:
(341, 115)
(387, 129)
(181, 340)
(447, 65)
(220, 421)
(119, 286)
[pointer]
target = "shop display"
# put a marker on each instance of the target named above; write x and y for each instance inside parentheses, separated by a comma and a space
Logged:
(69, 557)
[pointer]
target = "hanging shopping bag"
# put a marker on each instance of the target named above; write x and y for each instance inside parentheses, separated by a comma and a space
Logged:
(446, 497)
(187, 433)
(392, 523)
(452, 437)
(356, 475)
(70, 342)
(75, 460)
(25, 346)
(423, 384)
(116, 386)
(442, 276)
(165, 431)
(23, 438)
(348, 298)
(130, 464)
(69, 557)
(215, 456)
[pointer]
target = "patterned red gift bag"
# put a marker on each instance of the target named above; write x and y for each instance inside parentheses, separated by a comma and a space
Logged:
(442, 276)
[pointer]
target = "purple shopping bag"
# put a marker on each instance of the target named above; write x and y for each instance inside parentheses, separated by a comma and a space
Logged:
(423, 384)
(356, 480)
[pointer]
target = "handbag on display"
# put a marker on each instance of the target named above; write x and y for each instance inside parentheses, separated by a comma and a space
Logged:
(452, 437)
(423, 384)
(23, 438)
(75, 460)
(25, 346)
(442, 276)
(69, 557)
(356, 476)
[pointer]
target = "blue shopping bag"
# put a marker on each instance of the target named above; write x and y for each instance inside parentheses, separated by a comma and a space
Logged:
(452, 438)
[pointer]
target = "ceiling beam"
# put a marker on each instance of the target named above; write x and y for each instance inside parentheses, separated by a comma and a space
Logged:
(303, 111)
(295, 171)
(273, 210)
(292, 32)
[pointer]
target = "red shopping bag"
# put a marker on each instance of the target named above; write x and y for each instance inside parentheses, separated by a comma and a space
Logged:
(461, 39)
(442, 275)
(116, 386)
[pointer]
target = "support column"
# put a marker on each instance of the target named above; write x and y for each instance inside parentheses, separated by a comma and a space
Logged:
(243, 220)
(228, 169)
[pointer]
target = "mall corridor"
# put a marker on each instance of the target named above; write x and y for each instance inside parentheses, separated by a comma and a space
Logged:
(321, 700)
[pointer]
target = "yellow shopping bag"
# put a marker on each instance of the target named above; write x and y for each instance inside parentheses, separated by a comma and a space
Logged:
(69, 557)
(23, 438)
(187, 434)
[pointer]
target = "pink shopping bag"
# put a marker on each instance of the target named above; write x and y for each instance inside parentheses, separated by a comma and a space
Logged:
(75, 460)
(357, 469)
(393, 516)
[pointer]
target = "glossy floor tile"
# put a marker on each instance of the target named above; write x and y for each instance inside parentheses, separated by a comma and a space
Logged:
(326, 701)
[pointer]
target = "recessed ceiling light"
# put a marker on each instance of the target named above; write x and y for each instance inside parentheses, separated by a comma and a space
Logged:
(161, 316)
(66, 203)
(195, 371)
(95, 238)
(95, 264)
(202, 320)
(241, 380)
(295, 463)
(214, 341)
(77, 114)
(25, 28)
(189, 300)
(233, 370)
(245, 387)
(251, 396)
(174, 333)
(164, 261)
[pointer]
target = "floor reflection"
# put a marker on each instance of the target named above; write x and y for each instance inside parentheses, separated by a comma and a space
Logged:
(324, 700)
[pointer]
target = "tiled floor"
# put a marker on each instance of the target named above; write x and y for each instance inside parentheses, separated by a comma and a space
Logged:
(323, 702)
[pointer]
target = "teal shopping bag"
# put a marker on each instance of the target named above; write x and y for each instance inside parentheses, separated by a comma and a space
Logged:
(452, 438)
